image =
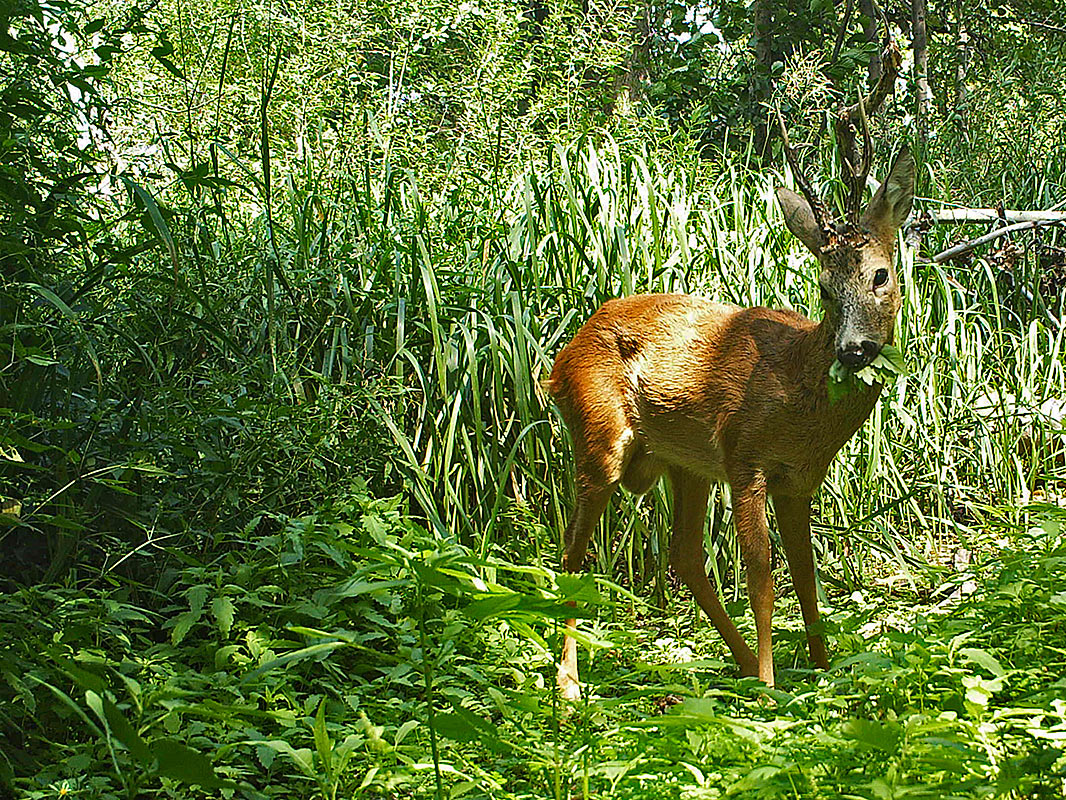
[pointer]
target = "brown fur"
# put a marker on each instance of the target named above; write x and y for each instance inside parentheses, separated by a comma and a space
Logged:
(702, 391)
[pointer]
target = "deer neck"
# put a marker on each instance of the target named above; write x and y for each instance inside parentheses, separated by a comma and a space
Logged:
(816, 351)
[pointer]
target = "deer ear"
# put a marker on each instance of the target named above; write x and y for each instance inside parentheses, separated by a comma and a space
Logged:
(891, 204)
(800, 219)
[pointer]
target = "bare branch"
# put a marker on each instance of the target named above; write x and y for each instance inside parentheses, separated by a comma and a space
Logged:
(967, 216)
(966, 247)
(844, 25)
(891, 59)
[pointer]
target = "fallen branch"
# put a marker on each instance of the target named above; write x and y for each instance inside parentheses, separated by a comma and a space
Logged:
(965, 247)
(962, 216)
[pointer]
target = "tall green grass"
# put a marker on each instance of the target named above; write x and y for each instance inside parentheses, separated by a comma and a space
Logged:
(444, 304)
(464, 301)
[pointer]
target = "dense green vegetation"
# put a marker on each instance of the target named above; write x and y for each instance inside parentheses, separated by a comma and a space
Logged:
(281, 497)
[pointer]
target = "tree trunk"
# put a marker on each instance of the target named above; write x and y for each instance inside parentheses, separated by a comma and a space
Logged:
(870, 15)
(920, 42)
(962, 63)
(765, 55)
(629, 86)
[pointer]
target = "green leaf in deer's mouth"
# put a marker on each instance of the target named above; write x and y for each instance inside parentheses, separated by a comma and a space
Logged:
(885, 369)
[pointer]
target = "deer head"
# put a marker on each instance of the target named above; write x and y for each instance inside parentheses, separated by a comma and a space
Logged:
(858, 281)
(859, 286)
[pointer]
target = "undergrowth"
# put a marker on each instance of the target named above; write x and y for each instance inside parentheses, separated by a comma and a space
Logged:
(228, 285)
(351, 653)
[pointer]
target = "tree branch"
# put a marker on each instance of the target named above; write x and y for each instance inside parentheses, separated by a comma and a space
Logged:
(966, 247)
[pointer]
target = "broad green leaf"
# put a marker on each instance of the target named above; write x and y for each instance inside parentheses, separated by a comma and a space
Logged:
(181, 763)
(403, 730)
(890, 357)
(184, 624)
(492, 606)
(884, 369)
(838, 390)
(979, 691)
(453, 726)
(161, 54)
(120, 727)
(838, 372)
(154, 214)
(265, 754)
(355, 587)
(515, 606)
(313, 651)
(323, 743)
(223, 610)
(368, 778)
(301, 757)
(882, 736)
(578, 587)
(84, 675)
(197, 596)
(983, 659)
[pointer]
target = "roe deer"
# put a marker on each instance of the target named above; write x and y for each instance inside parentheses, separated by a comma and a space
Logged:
(701, 391)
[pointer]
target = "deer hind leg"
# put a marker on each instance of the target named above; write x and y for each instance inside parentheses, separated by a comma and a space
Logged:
(688, 559)
(794, 524)
(600, 459)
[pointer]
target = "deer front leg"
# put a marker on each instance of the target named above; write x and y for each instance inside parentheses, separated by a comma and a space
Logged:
(794, 523)
(749, 511)
(689, 560)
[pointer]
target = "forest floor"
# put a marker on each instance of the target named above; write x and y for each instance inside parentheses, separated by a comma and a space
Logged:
(351, 654)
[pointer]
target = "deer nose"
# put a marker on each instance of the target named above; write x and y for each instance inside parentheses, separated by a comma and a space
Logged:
(856, 355)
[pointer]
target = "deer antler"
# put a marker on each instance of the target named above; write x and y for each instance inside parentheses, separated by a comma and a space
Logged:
(848, 121)
(856, 168)
(813, 198)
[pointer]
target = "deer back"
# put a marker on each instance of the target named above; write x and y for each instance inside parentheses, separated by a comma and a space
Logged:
(716, 389)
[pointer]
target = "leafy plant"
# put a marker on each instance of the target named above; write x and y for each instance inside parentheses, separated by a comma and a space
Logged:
(261, 268)
(885, 369)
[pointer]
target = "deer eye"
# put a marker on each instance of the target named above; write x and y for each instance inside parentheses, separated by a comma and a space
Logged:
(880, 277)
(826, 296)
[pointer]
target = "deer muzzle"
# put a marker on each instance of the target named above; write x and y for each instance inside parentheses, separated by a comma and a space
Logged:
(856, 355)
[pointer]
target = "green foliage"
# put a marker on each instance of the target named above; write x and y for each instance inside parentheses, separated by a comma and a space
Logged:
(289, 643)
(262, 265)
(885, 370)
(376, 661)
